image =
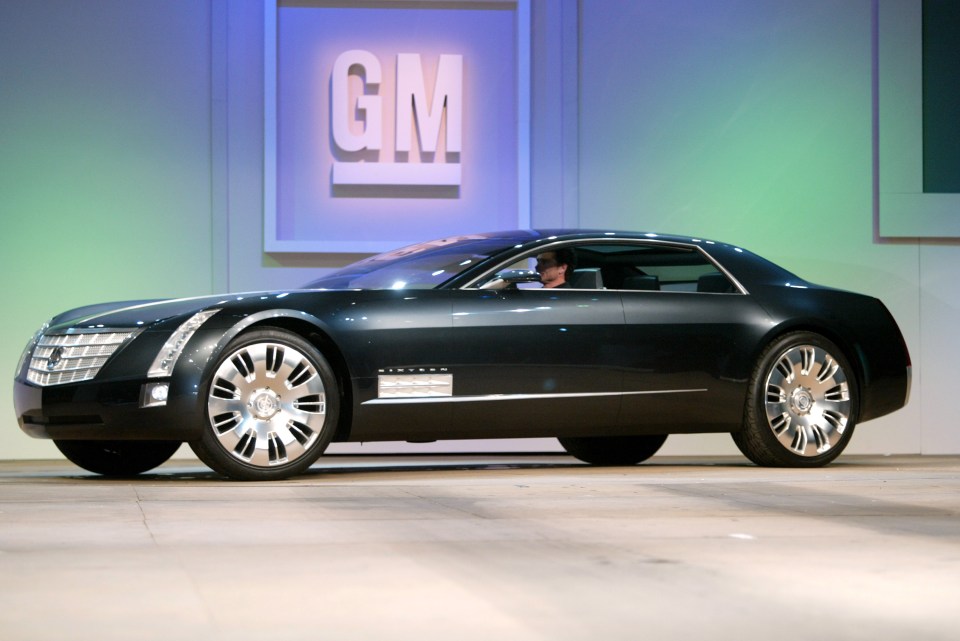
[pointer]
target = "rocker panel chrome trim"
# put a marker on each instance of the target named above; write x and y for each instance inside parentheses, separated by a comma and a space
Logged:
(516, 397)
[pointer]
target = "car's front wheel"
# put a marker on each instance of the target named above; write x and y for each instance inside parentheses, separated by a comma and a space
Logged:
(271, 406)
(613, 450)
(117, 458)
(801, 404)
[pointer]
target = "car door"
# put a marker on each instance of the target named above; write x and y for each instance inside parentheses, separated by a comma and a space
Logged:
(683, 360)
(534, 362)
(688, 335)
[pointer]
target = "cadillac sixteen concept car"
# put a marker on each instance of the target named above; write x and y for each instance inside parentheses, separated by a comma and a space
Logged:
(456, 338)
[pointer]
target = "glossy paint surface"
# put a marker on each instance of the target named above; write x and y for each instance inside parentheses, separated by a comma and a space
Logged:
(519, 362)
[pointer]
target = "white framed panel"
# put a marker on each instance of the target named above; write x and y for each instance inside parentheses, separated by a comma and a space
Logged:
(903, 209)
(342, 173)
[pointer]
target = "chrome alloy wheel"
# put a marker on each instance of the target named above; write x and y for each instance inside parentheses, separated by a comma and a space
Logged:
(807, 400)
(267, 404)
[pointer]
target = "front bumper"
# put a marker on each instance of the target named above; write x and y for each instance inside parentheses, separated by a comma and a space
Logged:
(98, 411)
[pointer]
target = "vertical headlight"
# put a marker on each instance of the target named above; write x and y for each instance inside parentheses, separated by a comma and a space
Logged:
(28, 350)
(171, 350)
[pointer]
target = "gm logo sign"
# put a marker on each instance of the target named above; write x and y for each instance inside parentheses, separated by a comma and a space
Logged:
(389, 122)
(357, 121)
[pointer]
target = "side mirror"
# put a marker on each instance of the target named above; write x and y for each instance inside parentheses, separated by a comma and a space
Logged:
(511, 277)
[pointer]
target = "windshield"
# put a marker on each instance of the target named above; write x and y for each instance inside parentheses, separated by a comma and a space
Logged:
(422, 266)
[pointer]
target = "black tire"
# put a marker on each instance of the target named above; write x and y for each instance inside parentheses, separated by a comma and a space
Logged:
(117, 458)
(802, 403)
(272, 406)
(613, 450)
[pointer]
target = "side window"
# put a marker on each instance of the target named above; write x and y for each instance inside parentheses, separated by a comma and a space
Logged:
(564, 258)
(653, 267)
(625, 265)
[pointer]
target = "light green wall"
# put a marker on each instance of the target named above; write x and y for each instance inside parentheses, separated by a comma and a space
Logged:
(104, 163)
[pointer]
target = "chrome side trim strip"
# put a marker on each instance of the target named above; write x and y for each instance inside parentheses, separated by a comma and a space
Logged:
(516, 397)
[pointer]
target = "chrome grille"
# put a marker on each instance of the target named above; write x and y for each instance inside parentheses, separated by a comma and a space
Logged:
(73, 357)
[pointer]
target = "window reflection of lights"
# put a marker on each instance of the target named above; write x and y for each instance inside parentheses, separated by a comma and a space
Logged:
(466, 262)
(650, 235)
(438, 272)
(398, 285)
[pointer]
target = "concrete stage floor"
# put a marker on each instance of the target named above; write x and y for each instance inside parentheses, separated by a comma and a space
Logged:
(485, 547)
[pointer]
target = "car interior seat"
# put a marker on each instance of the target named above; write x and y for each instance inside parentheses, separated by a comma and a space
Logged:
(646, 282)
(588, 278)
(714, 283)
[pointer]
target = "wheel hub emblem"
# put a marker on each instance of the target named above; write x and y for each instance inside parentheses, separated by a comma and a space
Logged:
(265, 404)
(801, 400)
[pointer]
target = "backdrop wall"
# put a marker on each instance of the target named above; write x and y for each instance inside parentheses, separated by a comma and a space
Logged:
(131, 161)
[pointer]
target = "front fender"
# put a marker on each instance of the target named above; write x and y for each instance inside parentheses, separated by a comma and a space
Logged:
(193, 372)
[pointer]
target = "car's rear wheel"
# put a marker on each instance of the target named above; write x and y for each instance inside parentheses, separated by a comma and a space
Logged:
(801, 404)
(117, 458)
(613, 450)
(271, 406)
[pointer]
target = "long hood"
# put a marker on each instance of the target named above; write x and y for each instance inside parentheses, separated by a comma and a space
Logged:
(146, 313)
(135, 313)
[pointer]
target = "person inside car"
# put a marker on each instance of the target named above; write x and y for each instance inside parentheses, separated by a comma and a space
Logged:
(555, 267)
